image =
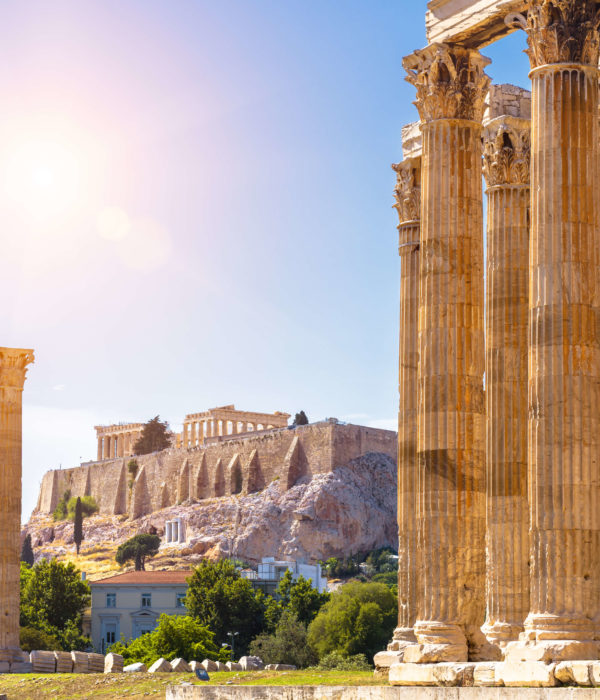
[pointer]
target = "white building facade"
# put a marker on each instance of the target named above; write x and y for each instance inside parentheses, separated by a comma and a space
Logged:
(271, 571)
(130, 604)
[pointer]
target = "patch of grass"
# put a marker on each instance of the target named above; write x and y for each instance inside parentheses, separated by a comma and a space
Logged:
(146, 686)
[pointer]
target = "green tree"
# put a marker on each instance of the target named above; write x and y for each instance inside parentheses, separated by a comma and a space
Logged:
(27, 551)
(78, 525)
(175, 636)
(32, 639)
(299, 597)
(288, 645)
(357, 620)
(221, 599)
(53, 598)
(300, 419)
(155, 436)
(60, 512)
(88, 507)
(138, 548)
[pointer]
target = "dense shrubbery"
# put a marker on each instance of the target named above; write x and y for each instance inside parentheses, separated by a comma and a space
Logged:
(53, 598)
(175, 636)
(359, 619)
(65, 508)
(334, 661)
(287, 645)
(32, 639)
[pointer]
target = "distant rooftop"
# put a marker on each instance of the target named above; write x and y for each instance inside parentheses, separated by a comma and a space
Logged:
(148, 577)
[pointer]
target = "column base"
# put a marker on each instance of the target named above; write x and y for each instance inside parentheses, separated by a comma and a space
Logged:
(550, 650)
(480, 648)
(437, 641)
(501, 633)
(403, 637)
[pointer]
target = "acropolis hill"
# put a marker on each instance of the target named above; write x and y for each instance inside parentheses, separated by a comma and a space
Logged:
(325, 479)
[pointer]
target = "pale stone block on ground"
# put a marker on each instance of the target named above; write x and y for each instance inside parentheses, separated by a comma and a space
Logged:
(21, 667)
(113, 663)
(80, 662)
(180, 666)
(96, 663)
(209, 665)
(444, 674)
(251, 663)
(280, 667)
(160, 666)
(64, 662)
(529, 674)
(386, 659)
(135, 668)
(574, 673)
(43, 661)
(221, 666)
(4, 667)
(550, 650)
(233, 666)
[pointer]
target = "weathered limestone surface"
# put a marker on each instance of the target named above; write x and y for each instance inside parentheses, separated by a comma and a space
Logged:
(506, 170)
(13, 367)
(451, 87)
(564, 345)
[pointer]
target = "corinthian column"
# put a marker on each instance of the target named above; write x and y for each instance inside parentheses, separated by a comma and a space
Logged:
(564, 350)
(506, 141)
(13, 364)
(451, 87)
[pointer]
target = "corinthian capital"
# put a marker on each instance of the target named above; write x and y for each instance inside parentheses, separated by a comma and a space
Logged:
(407, 192)
(13, 367)
(450, 82)
(560, 31)
(506, 151)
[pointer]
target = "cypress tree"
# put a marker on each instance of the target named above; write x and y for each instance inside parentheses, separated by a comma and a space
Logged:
(27, 551)
(78, 526)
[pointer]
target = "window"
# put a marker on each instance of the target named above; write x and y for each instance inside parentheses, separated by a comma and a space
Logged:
(146, 600)
(180, 600)
(111, 600)
(111, 634)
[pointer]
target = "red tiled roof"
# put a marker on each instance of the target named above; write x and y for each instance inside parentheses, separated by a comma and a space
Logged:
(147, 577)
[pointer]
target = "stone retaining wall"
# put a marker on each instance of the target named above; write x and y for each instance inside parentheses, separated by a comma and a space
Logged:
(258, 692)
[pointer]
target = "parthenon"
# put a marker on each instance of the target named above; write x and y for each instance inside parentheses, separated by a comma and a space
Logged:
(499, 489)
(117, 440)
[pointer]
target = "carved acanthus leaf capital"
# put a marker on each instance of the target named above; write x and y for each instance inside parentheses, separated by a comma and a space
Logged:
(407, 192)
(13, 367)
(450, 80)
(507, 151)
(560, 31)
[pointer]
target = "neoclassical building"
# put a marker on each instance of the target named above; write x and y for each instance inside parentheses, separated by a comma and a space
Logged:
(499, 482)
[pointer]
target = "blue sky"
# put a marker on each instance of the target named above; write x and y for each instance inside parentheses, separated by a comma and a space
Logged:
(240, 152)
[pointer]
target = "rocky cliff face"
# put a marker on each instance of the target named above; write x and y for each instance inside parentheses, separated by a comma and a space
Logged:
(351, 509)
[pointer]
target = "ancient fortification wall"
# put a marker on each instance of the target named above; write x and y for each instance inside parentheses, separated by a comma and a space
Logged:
(231, 466)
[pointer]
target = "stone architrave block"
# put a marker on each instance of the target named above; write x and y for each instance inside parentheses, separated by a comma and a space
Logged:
(574, 673)
(113, 663)
(64, 662)
(435, 653)
(221, 666)
(80, 662)
(43, 661)
(96, 663)
(209, 665)
(234, 666)
(384, 660)
(180, 666)
(526, 674)
(135, 668)
(251, 663)
(160, 666)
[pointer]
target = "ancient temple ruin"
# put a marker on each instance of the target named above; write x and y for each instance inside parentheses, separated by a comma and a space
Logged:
(499, 516)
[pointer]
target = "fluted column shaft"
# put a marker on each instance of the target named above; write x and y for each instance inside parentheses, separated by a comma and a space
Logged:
(506, 169)
(13, 363)
(564, 356)
(408, 204)
(451, 87)
(99, 448)
(193, 433)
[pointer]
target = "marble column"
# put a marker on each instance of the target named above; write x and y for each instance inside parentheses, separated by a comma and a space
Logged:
(408, 204)
(193, 433)
(564, 333)
(451, 87)
(120, 445)
(108, 447)
(506, 169)
(99, 448)
(13, 368)
(185, 435)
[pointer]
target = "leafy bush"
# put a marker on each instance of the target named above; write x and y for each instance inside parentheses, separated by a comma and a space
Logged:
(175, 636)
(32, 639)
(60, 512)
(289, 644)
(359, 619)
(65, 508)
(334, 661)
